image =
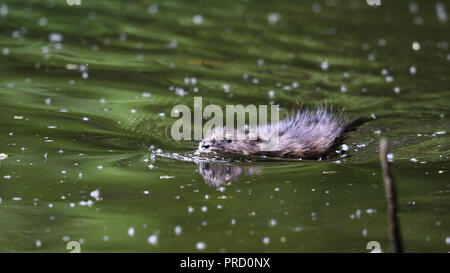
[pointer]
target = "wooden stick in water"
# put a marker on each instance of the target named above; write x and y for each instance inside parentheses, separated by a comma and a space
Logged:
(389, 186)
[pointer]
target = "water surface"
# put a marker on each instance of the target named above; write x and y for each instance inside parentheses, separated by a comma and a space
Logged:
(85, 99)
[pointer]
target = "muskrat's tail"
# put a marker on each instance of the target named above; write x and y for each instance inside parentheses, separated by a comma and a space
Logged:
(348, 128)
(354, 124)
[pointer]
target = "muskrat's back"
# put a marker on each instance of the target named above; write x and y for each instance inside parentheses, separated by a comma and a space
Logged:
(305, 134)
(309, 134)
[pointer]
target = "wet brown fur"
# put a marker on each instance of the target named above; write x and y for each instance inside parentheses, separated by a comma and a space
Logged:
(305, 134)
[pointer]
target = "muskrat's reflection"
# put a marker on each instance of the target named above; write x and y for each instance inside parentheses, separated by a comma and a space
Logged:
(218, 173)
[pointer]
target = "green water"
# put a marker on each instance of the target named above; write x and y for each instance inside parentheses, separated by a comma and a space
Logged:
(85, 99)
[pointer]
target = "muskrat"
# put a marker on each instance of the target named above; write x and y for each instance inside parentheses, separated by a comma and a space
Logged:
(302, 135)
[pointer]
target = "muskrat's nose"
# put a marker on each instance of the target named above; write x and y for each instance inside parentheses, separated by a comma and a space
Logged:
(205, 146)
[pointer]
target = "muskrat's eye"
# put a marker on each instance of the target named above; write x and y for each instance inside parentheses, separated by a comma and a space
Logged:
(229, 140)
(205, 146)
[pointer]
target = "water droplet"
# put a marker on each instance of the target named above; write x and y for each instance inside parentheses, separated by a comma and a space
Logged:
(152, 9)
(272, 222)
(153, 240)
(42, 21)
(190, 209)
(273, 18)
(200, 245)
(345, 147)
(178, 230)
(55, 37)
(390, 157)
(364, 232)
(131, 232)
(95, 194)
(441, 13)
(416, 46)
(197, 19)
(324, 66)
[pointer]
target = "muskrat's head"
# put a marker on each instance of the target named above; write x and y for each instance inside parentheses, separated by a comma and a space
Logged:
(227, 140)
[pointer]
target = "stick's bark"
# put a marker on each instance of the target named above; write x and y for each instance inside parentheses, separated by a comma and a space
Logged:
(389, 186)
